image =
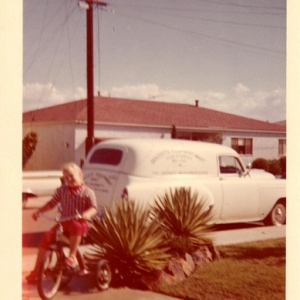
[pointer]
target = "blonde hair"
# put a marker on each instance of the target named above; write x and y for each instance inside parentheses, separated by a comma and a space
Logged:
(71, 166)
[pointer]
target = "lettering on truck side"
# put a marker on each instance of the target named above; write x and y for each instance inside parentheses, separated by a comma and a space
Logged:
(99, 181)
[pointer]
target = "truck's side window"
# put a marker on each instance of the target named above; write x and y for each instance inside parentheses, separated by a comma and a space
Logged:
(230, 165)
(106, 156)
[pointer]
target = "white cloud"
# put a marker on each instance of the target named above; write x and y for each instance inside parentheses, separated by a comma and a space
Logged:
(38, 95)
(151, 92)
(261, 105)
(241, 89)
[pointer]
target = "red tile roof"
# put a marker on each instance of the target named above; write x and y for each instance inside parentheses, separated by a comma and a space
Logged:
(140, 112)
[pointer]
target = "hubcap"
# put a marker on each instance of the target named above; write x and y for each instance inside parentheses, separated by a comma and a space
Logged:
(279, 215)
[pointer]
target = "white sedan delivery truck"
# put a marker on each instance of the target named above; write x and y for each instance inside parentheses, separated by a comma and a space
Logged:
(142, 169)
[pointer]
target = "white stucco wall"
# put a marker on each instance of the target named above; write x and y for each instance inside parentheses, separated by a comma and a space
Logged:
(55, 146)
(106, 131)
(60, 143)
(264, 145)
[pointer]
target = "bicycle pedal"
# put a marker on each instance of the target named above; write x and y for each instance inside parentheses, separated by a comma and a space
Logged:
(83, 272)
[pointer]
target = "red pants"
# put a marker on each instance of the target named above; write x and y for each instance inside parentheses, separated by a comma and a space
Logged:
(70, 228)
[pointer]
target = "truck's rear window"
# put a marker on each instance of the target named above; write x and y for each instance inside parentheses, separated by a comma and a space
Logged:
(106, 156)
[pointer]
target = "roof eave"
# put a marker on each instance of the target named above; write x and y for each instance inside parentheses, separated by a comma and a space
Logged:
(208, 129)
(185, 128)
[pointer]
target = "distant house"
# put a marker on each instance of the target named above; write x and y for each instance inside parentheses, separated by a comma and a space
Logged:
(62, 129)
(283, 123)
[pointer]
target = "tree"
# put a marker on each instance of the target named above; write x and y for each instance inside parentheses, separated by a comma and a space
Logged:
(29, 145)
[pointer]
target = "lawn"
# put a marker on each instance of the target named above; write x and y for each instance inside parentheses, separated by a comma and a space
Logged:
(246, 271)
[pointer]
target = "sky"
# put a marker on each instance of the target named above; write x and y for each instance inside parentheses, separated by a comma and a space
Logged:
(228, 54)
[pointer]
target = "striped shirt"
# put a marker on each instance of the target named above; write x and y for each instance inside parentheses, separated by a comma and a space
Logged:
(70, 201)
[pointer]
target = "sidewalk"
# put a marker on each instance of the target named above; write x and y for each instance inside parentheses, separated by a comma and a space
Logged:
(237, 236)
(83, 287)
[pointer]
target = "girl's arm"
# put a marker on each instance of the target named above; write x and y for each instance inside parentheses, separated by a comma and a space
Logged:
(44, 208)
(89, 213)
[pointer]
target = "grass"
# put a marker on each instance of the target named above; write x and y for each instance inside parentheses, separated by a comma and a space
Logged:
(246, 271)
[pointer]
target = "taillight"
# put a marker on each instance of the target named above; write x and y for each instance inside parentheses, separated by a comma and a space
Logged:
(124, 195)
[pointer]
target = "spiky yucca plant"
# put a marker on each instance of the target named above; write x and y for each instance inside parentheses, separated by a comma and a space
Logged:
(184, 218)
(131, 241)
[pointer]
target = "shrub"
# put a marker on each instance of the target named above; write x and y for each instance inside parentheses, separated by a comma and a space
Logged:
(260, 163)
(274, 167)
(131, 241)
(184, 218)
(282, 162)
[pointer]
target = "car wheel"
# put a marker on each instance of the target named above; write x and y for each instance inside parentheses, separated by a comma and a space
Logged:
(277, 216)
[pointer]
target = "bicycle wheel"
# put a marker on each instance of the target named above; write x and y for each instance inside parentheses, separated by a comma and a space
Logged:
(103, 275)
(66, 273)
(50, 275)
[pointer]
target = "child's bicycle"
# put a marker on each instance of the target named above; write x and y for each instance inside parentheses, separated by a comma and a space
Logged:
(54, 272)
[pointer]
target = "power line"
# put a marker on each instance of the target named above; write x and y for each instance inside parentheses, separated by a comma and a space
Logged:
(238, 5)
(98, 44)
(58, 32)
(255, 9)
(69, 48)
(202, 35)
(222, 22)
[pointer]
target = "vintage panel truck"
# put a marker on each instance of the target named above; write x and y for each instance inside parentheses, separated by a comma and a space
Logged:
(142, 169)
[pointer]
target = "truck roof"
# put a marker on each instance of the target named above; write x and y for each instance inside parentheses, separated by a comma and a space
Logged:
(153, 157)
(139, 144)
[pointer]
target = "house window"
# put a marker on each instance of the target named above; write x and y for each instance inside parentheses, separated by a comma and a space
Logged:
(281, 147)
(242, 146)
(210, 137)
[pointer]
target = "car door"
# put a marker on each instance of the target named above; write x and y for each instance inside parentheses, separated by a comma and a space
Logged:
(240, 193)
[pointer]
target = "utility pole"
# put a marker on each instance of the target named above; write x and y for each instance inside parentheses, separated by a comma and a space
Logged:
(90, 72)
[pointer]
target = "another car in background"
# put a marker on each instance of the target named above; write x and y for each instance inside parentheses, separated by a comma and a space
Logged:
(39, 184)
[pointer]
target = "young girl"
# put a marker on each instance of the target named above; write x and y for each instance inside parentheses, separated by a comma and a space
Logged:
(73, 197)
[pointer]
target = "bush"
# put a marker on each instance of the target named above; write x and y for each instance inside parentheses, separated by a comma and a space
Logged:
(137, 241)
(131, 241)
(282, 162)
(183, 217)
(260, 163)
(274, 167)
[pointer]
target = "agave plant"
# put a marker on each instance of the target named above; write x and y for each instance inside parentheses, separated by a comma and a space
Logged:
(184, 218)
(130, 240)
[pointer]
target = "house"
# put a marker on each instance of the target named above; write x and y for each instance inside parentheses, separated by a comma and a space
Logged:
(62, 129)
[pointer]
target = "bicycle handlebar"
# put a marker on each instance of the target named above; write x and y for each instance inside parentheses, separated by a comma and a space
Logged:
(60, 219)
